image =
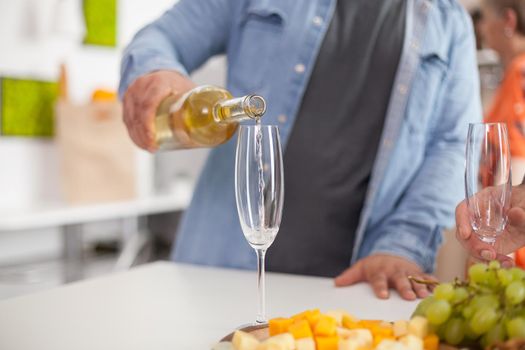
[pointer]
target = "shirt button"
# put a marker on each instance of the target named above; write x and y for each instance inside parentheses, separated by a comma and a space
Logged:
(317, 21)
(425, 7)
(299, 68)
(282, 118)
(415, 45)
(402, 89)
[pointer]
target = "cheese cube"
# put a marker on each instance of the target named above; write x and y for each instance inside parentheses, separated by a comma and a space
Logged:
(338, 315)
(304, 315)
(269, 346)
(356, 339)
(244, 341)
(310, 315)
(412, 342)
(347, 344)
(350, 322)
(389, 344)
(431, 342)
(279, 325)
(343, 332)
(325, 326)
(363, 337)
(284, 341)
(379, 338)
(300, 329)
(384, 329)
(418, 326)
(400, 328)
(305, 344)
(327, 343)
(370, 324)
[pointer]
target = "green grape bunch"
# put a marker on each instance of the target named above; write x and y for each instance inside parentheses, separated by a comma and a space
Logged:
(489, 308)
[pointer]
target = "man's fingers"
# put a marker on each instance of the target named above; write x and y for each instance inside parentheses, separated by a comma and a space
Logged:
(140, 104)
(421, 289)
(350, 276)
(146, 137)
(379, 284)
(134, 137)
(477, 248)
(505, 261)
(517, 217)
(464, 230)
(403, 286)
(130, 119)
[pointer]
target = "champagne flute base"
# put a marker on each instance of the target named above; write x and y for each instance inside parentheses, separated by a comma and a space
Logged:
(487, 239)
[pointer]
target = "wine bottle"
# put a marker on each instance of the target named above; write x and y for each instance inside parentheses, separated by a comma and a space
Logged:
(205, 116)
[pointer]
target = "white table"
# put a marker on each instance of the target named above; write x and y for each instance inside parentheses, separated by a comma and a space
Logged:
(71, 218)
(167, 306)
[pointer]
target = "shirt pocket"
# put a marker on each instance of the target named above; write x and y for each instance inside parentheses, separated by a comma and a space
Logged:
(426, 87)
(261, 29)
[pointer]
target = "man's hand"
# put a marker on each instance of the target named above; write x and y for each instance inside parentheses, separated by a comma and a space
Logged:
(512, 238)
(142, 99)
(385, 271)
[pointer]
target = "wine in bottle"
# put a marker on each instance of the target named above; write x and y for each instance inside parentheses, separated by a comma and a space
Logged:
(205, 116)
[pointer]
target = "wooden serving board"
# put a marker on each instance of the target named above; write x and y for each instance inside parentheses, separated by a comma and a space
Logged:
(260, 332)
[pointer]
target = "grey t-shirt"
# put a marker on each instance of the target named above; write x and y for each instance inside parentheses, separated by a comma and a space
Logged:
(332, 148)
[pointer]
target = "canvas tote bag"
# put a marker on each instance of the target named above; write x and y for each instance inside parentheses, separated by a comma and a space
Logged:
(97, 157)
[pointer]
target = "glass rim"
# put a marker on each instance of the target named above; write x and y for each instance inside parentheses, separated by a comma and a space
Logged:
(262, 126)
(488, 124)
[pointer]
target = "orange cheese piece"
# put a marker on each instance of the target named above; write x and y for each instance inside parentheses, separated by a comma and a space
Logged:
(327, 343)
(326, 326)
(300, 329)
(279, 325)
(383, 330)
(379, 338)
(350, 323)
(312, 316)
(431, 342)
(369, 324)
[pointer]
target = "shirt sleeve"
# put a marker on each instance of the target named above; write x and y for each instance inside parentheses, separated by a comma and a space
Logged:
(182, 39)
(414, 229)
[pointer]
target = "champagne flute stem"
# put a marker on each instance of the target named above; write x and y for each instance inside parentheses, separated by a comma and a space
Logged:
(261, 288)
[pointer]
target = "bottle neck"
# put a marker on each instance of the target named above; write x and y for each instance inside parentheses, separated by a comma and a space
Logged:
(239, 109)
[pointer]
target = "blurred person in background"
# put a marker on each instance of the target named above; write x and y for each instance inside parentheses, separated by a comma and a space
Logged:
(503, 30)
(372, 98)
(476, 21)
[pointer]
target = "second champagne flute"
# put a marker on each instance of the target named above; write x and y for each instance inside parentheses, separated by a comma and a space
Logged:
(259, 191)
(488, 179)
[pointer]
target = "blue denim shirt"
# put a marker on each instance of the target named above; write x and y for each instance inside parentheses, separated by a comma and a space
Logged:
(271, 47)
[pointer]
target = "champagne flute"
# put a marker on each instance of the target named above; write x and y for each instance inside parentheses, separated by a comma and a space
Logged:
(488, 179)
(259, 192)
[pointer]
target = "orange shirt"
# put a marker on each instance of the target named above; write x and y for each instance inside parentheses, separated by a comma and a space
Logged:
(509, 105)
